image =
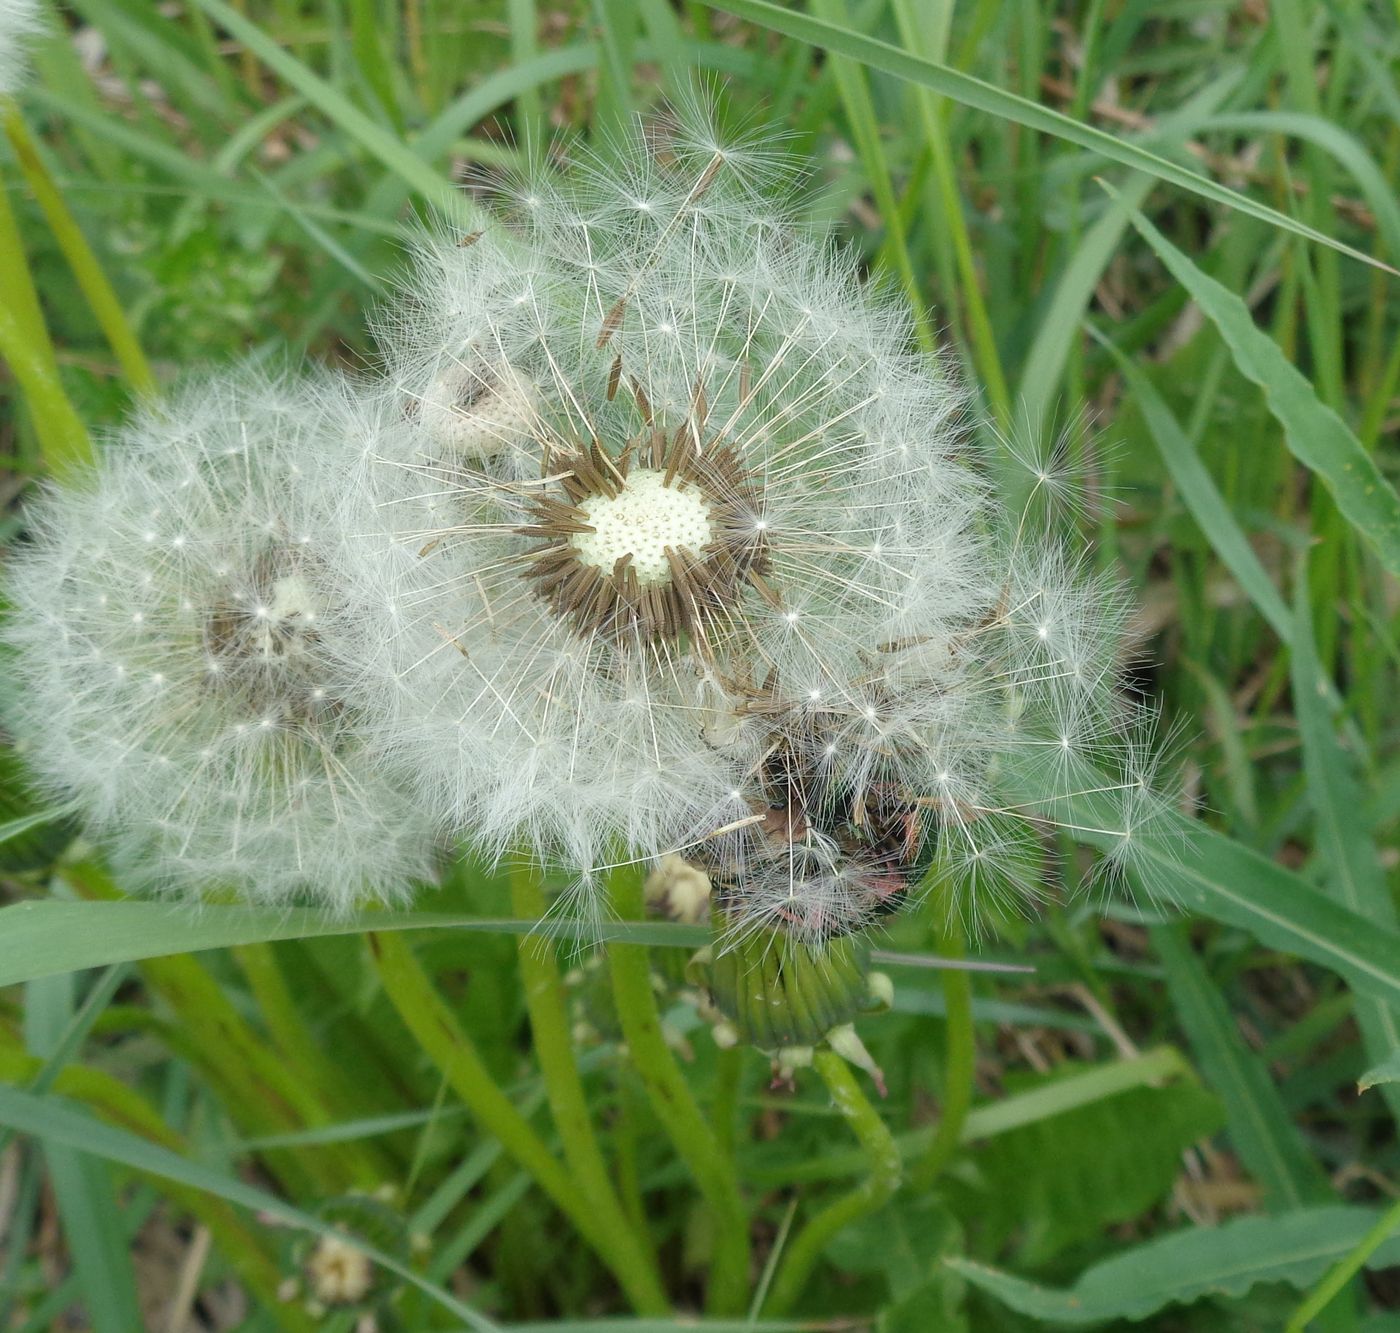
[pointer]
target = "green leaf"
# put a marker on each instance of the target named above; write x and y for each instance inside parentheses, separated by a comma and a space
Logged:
(998, 102)
(1388, 1071)
(40, 938)
(1053, 1183)
(1315, 434)
(15, 828)
(988, 1121)
(1207, 872)
(1346, 148)
(83, 1188)
(1080, 276)
(1227, 1260)
(906, 1243)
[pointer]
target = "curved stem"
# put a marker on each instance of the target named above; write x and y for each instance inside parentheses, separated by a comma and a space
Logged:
(872, 1193)
(454, 1053)
(674, 1104)
(102, 299)
(959, 1063)
(25, 344)
(549, 1023)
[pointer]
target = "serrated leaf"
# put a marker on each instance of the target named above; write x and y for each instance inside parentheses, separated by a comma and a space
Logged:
(1227, 1260)
(1054, 1183)
(1388, 1071)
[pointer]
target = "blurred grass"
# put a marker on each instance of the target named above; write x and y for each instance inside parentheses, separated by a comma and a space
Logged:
(245, 176)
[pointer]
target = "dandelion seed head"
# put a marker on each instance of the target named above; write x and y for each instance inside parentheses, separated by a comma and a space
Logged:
(674, 510)
(171, 619)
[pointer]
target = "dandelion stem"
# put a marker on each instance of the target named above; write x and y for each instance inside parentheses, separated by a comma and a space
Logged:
(101, 298)
(729, 1066)
(453, 1051)
(958, 1065)
(872, 1193)
(674, 1104)
(549, 1023)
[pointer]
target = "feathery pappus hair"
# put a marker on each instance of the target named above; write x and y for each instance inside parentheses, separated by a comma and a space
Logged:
(683, 549)
(171, 613)
(19, 22)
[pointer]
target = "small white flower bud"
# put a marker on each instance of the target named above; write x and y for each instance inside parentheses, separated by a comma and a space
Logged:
(475, 411)
(339, 1272)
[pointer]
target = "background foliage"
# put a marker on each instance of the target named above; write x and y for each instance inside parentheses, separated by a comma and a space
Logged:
(1167, 1124)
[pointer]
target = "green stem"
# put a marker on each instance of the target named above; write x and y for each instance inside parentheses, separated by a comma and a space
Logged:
(454, 1053)
(1326, 1291)
(25, 344)
(549, 1023)
(872, 1193)
(101, 297)
(729, 1067)
(674, 1104)
(959, 1063)
(321, 1077)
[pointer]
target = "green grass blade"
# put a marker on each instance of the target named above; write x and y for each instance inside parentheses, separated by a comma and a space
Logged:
(1207, 872)
(1269, 1145)
(1344, 147)
(1059, 326)
(17, 828)
(984, 96)
(1050, 350)
(83, 1187)
(50, 936)
(865, 129)
(1316, 435)
(1346, 850)
(332, 103)
(1208, 507)
(54, 1121)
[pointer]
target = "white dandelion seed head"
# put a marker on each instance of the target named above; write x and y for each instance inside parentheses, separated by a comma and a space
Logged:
(706, 503)
(20, 21)
(730, 557)
(172, 616)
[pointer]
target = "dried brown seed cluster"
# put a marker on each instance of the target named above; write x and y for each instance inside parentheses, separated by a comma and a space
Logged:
(657, 543)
